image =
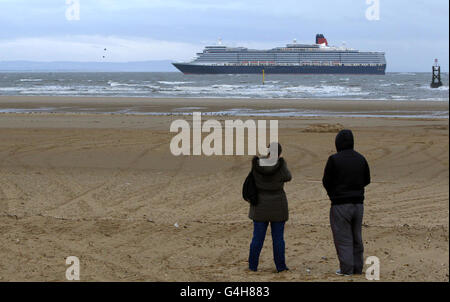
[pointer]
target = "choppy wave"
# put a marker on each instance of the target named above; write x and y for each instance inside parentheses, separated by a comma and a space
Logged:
(392, 84)
(30, 80)
(427, 87)
(324, 90)
(174, 82)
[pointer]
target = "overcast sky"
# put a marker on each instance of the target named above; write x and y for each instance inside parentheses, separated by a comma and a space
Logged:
(411, 32)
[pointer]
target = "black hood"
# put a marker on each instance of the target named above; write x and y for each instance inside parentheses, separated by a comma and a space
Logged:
(344, 140)
(266, 170)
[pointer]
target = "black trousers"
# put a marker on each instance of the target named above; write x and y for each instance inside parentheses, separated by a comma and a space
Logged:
(346, 224)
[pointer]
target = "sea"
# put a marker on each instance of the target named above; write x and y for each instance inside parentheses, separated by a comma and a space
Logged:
(392, 86)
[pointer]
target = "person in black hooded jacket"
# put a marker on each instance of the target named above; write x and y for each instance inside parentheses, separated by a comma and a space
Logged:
(346, 175)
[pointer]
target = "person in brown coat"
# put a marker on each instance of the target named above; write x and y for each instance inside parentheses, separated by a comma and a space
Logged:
(272, 207)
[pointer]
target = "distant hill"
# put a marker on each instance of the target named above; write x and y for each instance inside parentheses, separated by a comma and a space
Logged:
(145, 66)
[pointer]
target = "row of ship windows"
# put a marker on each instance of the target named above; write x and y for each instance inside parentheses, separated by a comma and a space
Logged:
(291, 54)
(301, 50)
(303, 64)
(295, 61)
(320, 53)
(288, 58)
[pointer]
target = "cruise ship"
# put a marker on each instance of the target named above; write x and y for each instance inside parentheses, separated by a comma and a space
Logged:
(318, 58)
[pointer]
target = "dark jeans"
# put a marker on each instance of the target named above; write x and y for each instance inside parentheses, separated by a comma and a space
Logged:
(259, 234)
(346, 223)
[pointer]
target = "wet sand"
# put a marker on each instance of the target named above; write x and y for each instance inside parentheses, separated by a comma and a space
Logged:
(106, 188)
(302, 107)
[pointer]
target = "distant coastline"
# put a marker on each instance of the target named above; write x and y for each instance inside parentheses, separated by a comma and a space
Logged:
(64, 66)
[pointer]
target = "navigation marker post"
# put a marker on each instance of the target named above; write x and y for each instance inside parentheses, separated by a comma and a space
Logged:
(436, 81)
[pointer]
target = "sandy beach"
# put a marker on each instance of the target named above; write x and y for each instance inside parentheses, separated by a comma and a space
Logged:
(105, 188)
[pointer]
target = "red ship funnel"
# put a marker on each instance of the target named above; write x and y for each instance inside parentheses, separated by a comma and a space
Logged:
(320, 39)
